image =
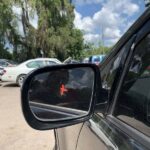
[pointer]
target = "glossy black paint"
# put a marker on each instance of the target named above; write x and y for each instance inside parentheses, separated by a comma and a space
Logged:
(109, 134)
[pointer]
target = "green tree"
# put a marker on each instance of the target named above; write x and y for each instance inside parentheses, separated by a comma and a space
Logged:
(90, 50)
(55, 34)
(4, 53)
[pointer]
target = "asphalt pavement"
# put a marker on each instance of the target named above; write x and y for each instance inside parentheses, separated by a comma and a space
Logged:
(15, 134)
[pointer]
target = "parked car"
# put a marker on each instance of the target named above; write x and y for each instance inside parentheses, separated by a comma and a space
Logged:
(1, 72)
(116, 112)
(85, 60)
(18, 73)
(70, 60)
(96, 59)
(7, 63)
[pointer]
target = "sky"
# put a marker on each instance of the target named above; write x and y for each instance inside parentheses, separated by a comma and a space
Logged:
(102, 21)
(105, 21)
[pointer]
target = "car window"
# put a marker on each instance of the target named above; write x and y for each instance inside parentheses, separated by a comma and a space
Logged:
(114, 66)
(109, 72)
(133, 106)
(50, 62)
(12, 62)
(3, 64)
(35, 64)
(96, 59)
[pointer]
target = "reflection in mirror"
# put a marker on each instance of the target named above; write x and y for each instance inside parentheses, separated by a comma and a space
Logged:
(61, 94)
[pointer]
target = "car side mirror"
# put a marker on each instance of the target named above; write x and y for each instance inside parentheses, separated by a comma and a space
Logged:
(58, 96)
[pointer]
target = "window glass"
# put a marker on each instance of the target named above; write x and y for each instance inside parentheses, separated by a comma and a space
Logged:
(12, 62)
(35, 64)
(3, 64)
(133, 106)
(96, 59)
(50, 62)
(109, 71)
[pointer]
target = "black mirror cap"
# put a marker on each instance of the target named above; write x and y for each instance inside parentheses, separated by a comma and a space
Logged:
(45, 125)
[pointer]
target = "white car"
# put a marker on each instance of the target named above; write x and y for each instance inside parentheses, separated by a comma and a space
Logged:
(17, 74)
(1, 72)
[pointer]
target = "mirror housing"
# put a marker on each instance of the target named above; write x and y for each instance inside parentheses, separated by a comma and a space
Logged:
(35, 120)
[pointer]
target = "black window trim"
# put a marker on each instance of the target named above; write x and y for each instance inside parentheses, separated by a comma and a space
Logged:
(119, 73)
(129, 130)
(137, 27)
(127, 65)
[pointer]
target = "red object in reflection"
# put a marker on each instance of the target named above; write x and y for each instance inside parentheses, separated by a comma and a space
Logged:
(63, 90)
(148, 68)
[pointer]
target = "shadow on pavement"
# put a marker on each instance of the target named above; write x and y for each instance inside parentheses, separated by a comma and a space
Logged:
(9, 85)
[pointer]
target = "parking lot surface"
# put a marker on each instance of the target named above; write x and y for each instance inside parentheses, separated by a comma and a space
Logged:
(15, 134)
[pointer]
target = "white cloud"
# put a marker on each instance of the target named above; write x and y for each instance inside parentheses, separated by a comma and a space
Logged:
(131, 9)
(122, 6)
(112, 33)
(83, 2)
(111, 42)
(85, 23)
(92, 38)
(112, 20)
(107, 18)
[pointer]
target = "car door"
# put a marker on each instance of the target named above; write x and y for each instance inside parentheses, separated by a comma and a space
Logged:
(126, 124)
(99, 133)
(80, 134)
(107, 130)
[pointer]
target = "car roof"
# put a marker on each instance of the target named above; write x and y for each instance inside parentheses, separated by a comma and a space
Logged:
(48, 59)
(53, 59)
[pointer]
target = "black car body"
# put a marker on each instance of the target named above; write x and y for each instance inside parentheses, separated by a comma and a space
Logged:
(123, 122)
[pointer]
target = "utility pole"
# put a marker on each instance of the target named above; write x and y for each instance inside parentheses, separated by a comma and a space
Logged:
(102, 38)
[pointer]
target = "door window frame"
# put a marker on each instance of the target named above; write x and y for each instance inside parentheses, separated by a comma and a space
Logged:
(144, 32)
(129, 130)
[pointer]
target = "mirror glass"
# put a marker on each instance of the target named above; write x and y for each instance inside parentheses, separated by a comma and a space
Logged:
(61, 94)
